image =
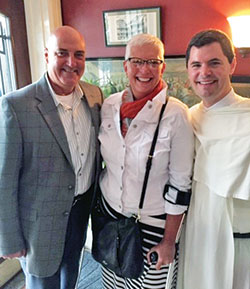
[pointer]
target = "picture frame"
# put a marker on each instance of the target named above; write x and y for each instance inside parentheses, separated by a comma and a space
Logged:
(109, 75)
(121, 25)
(241, 85)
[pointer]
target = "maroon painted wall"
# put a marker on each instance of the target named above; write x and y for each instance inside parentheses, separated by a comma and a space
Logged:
(180, 19)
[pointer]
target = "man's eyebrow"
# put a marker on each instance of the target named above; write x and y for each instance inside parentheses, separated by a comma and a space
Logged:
(214, 59)
(210, 60)
(80, 51)
(61, 49)
(66, 50)
(195, 62)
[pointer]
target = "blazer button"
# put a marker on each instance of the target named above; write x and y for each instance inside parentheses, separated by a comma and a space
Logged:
(70, 187)
(66, 213)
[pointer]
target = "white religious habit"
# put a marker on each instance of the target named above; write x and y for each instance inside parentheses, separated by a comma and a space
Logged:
(220, 203)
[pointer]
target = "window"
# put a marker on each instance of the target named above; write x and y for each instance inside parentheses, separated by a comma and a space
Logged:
(7, 71)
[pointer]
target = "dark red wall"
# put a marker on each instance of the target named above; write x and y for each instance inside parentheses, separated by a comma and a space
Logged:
(180, 20)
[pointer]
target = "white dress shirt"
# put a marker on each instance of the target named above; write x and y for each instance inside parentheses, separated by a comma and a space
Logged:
(125, 158)
(76, 119)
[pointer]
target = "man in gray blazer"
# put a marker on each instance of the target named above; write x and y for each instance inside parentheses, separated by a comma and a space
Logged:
(49, 164)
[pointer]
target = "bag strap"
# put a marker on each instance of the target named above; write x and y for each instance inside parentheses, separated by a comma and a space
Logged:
(150, 157)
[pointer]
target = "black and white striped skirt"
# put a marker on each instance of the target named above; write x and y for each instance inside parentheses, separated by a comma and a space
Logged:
(151, 278)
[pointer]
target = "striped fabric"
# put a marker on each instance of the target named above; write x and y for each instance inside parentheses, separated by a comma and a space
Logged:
(76, 119)
(151, 278)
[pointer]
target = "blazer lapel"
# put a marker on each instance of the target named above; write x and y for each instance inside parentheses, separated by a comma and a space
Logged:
(94, 101)
(50, 114)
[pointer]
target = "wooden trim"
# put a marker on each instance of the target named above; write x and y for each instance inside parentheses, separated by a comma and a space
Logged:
(8, 269)
(15, 11)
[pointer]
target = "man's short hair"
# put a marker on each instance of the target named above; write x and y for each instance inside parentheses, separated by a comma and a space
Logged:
(142, 39)
(210, 36)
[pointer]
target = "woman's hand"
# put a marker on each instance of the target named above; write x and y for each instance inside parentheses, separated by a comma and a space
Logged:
(166, 253)
(15, 255)
(166, 248)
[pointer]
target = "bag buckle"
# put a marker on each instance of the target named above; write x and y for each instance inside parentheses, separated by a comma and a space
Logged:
(137, 216)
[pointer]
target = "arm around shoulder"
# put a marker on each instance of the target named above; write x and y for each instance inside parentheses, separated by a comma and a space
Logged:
(92, 93)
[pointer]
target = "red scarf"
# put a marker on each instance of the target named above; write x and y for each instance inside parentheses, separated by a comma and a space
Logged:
(129, 109)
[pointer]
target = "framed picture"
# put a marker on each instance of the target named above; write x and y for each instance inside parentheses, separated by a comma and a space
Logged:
(241, 85)
(121, 25)
(109, 75)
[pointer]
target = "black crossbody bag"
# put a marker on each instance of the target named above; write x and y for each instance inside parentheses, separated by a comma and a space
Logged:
(117, 243)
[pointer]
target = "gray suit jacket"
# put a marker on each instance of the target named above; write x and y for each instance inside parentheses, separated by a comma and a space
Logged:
(36, 175)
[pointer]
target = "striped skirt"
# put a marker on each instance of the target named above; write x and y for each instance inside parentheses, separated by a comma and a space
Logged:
(151, 278)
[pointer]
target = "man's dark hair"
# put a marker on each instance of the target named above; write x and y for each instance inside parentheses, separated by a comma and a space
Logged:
(210, 36)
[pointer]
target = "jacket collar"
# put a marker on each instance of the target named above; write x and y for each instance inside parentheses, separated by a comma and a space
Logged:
(116, 99)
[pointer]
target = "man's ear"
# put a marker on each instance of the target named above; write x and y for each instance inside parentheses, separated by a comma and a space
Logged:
(233, 65)
(46, 54)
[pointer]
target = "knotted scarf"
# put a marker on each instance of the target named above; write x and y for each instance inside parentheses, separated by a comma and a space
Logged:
(131, 107)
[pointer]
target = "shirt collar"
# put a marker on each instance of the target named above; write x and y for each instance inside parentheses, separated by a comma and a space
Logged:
(229, 99)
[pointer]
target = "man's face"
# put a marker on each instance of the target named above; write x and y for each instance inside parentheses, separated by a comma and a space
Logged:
(65, 57)
(209, 72)
(144, 79)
